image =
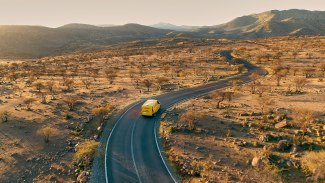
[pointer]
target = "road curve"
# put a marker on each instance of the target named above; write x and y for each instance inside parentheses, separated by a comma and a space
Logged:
(132, 150)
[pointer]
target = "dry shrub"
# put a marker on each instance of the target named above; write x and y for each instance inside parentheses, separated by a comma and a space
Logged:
(189, 118)
(47, 132)
(303, 118)
(86, 150)
(102, 112)
(4, 115)
(315, 163)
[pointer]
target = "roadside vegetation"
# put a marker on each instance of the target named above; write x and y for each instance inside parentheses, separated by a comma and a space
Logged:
(50, 107)
(269, 130)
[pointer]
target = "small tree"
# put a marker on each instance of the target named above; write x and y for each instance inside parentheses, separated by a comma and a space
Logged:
(69, 83)
(265, 103)
(189, 118)
(39, 86)
(221, 96)
(278, 76)
(28, 102)
(43, 95)
(303, 118)
(261, 89)
(86, 82)
(101, 112)
(147, 83)
(19, 89)
(4, 115)
(161, 80)
(47, 132)
(300, 83)
(70, 101)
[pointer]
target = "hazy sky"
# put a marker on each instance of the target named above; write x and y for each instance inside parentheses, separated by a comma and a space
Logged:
(55, 13)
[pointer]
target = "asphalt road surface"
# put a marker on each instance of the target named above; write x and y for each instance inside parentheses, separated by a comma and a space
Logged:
(133, 151)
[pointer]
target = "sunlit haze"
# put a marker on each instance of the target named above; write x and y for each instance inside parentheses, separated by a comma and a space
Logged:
(180, 12)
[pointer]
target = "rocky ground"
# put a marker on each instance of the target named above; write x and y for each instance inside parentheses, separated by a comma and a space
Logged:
(265, 132)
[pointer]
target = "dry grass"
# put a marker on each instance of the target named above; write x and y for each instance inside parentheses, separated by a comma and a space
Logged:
(314, 162)
(86, 150)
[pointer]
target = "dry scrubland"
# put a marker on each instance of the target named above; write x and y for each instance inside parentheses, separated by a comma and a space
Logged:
(53, 109)
(270, 130)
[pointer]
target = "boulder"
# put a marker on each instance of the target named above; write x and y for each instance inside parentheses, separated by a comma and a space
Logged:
(257, 162)
(281, 124)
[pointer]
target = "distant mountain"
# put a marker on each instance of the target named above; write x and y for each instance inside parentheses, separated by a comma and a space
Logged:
(271, 23)
(37, 41)
(169, 26)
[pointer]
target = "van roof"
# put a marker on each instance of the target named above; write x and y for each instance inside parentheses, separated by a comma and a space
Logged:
(149, 102)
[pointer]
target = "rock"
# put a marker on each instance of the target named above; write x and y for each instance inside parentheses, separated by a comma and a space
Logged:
(265, 138)
(294, 149)
(283, 145)
(289, 163)
(256, 114)
(257, 162)
(281, 124)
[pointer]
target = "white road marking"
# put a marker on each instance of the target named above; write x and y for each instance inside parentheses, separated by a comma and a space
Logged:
(171, 175)
(109, 137)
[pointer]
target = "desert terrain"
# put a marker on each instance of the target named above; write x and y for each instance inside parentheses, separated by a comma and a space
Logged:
(53, 109)
(270, 130)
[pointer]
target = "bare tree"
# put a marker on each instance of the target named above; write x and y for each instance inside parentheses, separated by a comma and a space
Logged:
(70, 101)
(265, 103)
(279, 76)
(160, 81)
(19, 89)
(308, 72)
(300, 83)
(303, 118)
(47, 132)
(147, 83)
(28, 102)
(69, 83)
(221, 96)
(43, 95)
(101, 112)
(39, 86)
(111, 75)
(86, 82)
(261, 89)
(4, 115)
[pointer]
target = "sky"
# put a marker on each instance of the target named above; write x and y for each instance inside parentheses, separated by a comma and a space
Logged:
(54, 13)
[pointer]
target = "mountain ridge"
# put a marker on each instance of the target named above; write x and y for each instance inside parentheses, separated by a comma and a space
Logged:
(19, 41)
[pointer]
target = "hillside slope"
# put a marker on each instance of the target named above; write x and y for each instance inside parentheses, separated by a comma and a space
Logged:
(36, 41)
(271, 23)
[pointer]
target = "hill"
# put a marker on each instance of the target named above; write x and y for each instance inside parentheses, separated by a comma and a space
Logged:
(37, 41)
(271, 23)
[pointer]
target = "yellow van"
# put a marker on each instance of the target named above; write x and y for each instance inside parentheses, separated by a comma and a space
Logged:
(150, 107)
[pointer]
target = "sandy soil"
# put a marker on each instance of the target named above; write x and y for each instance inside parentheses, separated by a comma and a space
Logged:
(206, 143)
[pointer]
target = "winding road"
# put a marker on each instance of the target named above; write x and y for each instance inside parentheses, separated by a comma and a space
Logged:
(133, 151)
